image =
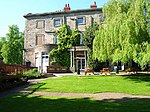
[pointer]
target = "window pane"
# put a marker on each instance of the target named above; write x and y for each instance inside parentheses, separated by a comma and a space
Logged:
(80, 20)
(57, 22)
(79, 64)
(83, 63)
(40, 24)
(39, 39)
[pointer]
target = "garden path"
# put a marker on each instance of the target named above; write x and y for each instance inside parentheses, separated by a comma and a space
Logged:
(107, 96)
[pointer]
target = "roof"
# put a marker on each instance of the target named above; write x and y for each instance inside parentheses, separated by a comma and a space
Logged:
(62, 12)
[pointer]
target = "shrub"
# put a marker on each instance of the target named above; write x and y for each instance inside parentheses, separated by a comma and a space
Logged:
(33, 73)
(54, 63)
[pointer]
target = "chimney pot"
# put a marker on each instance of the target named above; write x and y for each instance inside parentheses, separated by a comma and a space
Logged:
(67, 7)
(94, 5)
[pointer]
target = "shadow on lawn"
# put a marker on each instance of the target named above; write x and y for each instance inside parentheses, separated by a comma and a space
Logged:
(22, 88)
(139, 77)
(36, 87)
(21, 103)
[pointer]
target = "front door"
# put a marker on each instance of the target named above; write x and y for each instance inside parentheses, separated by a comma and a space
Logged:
(81, 63)
(45, 62)
(37, 60)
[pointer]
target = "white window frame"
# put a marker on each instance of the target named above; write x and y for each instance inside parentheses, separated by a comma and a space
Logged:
(55, 39)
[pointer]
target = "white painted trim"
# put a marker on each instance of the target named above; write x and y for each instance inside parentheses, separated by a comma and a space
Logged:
(85, 59)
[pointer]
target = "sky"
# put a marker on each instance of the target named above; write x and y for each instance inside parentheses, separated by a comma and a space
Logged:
(12, 11)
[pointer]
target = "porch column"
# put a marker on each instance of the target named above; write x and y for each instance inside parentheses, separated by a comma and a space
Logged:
(122, 66)
(71, 57)
(40, 62)
(85, 58)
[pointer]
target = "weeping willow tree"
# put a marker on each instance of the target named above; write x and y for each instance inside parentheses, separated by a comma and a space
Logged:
(124, 35)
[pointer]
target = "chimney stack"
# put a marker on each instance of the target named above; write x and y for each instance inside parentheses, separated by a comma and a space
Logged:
(67, 8)
(93, 6)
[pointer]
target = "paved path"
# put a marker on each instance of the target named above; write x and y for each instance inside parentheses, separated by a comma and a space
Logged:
(109, 96)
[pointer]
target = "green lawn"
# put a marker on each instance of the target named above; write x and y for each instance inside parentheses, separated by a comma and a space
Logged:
(31, 103)
(95, 84)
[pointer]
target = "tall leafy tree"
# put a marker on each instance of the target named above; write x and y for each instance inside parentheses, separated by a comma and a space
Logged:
(147, 14)
(12, 48)
(88, 38)
(89, 35)
(124, 33)
(2, 41)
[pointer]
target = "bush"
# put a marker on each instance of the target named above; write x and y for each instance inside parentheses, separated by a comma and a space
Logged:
(33, 73)
(11, 81)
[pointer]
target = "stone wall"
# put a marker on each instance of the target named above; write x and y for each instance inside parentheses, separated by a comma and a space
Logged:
(29, 55)
(43, 24)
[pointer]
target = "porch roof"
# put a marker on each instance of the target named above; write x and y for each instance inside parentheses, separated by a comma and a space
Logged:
(78, 48)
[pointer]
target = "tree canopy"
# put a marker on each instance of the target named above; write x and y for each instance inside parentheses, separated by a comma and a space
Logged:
(88, 38)
(89, 35)
(12, 49)
(124, 35)
(2, 41)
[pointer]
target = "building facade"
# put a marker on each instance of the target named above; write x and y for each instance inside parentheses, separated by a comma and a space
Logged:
(41, 38)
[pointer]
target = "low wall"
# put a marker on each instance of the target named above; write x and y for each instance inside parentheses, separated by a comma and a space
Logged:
(9, 68)
(57, 69)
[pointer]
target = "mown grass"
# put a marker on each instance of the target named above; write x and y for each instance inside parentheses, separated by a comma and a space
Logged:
(95, 84)
(32, 103)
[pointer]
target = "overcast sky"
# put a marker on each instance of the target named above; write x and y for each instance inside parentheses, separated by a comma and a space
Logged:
(12, 11)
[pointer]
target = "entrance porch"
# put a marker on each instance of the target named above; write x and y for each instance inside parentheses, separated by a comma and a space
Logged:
(78, 58)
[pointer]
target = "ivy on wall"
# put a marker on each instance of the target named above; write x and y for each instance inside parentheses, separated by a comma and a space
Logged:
(66, 39)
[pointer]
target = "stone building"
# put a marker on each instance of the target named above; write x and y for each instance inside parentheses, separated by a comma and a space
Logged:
(41, 38)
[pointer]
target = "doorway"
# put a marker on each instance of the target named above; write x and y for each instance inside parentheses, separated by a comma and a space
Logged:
(45, 62)
(81, 63)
